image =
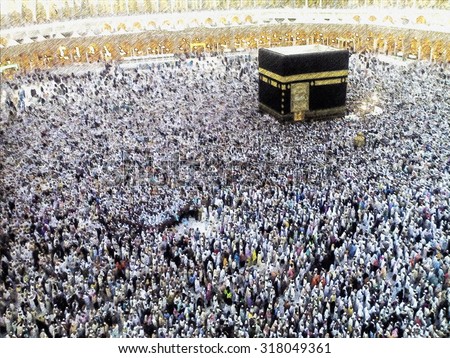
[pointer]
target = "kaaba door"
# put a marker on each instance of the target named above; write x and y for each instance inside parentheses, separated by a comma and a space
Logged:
(299, 99)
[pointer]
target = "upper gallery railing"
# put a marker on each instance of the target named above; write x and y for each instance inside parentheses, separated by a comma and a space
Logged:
(16, 13)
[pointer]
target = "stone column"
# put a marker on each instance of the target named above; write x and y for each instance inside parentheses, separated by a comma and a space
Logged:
(176, 45)
(33, 5)
(406, 46)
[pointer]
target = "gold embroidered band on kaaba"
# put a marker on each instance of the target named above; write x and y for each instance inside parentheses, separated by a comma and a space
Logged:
(327, 82)
(269, 81)
(303, 76)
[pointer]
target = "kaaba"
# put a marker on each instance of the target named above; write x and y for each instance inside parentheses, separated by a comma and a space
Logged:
(301, 82)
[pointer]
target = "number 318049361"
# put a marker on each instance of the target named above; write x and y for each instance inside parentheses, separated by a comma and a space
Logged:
(286, 348)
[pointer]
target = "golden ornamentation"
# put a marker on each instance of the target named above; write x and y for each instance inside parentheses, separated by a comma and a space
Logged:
(328, 82)
(300, 97)
(303, 76)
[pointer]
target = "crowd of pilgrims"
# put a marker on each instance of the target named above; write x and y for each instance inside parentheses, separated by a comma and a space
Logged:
(160, 202)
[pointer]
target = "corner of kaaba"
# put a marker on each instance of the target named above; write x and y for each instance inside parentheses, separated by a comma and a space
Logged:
(303, 82)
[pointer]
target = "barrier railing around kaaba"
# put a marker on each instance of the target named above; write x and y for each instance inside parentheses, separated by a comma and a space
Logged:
(9, 67)
(137, 61)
